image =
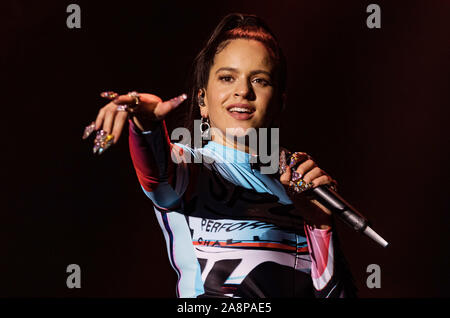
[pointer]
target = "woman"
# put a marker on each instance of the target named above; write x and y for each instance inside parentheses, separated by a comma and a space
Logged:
(231, 231)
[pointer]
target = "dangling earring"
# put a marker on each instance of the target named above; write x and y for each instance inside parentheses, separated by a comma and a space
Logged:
(205, 131)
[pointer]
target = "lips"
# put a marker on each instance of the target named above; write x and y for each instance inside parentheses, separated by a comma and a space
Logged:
(241, 111)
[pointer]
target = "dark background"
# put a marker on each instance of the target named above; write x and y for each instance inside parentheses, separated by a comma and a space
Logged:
(370, 105)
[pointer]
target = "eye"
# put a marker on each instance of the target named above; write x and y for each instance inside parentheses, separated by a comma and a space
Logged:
(225, 78)
(261, 81)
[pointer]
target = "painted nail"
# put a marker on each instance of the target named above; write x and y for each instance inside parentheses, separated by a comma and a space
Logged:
(295, 158)
(99, 139)
(104, 143)
(296, 176)
(109, 95)
(96, 147)
(108, 144)
(282, 164)
(292, 161)
(109, 139)
(179, 99)
(88, 130)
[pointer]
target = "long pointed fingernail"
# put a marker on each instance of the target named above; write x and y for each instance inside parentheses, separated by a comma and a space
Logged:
(99, 139)
(282, 162)
(88, 130)
(109, 140)
(109, 95)
(103, 142)
(96, 147)
(179, 99)
(294, 159)
(292, 162)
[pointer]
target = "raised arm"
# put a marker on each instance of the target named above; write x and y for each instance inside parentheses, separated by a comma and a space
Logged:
(149, 141)
(150, 152)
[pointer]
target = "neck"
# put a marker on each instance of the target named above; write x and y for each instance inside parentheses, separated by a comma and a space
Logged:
(240, 143)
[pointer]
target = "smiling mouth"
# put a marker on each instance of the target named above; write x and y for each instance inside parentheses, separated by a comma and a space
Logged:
(241, 111)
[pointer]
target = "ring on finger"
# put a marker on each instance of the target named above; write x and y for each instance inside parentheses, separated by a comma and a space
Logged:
(296, 176)
(135, 96)
(300, 186)
(122, 108)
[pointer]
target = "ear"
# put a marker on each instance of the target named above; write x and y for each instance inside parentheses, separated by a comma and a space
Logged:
(201, 93)
(201, 97)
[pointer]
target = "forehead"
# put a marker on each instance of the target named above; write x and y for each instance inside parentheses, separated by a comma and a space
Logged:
(244, 54)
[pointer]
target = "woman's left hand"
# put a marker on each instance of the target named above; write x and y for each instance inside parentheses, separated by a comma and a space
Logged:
(303, 167)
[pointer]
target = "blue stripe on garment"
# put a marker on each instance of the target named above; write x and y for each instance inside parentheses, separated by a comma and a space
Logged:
(171, 256)
(182, 255)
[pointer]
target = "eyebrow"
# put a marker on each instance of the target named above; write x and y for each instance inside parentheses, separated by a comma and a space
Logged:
(232, 69)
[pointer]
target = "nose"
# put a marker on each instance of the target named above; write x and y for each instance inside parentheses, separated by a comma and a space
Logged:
(244, 90)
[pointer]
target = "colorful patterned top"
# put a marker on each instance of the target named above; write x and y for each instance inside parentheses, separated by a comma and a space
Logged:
(231, 231)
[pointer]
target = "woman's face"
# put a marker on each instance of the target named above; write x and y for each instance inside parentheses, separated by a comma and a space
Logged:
(240, 91)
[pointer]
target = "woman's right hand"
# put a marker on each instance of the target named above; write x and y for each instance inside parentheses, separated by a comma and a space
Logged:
(111, 121)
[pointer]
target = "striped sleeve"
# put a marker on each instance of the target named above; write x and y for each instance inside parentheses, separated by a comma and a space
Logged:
(329, 272)
(151, 155)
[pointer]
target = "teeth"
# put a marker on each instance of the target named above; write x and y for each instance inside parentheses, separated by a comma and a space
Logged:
(240, 110)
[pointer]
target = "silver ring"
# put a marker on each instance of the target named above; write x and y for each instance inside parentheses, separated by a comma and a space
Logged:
(122, 108)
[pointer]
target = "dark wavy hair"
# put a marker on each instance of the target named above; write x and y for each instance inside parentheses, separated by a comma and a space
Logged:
(234, 26)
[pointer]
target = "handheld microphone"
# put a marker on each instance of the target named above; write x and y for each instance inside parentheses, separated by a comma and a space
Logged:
(334, 202)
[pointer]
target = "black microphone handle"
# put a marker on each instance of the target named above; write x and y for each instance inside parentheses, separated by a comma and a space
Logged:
(334, 202)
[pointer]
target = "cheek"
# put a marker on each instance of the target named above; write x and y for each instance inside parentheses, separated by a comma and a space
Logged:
(266, 100)
(223, 91)
(218, 97)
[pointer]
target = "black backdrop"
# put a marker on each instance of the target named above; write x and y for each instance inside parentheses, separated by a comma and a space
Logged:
(372, 106)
